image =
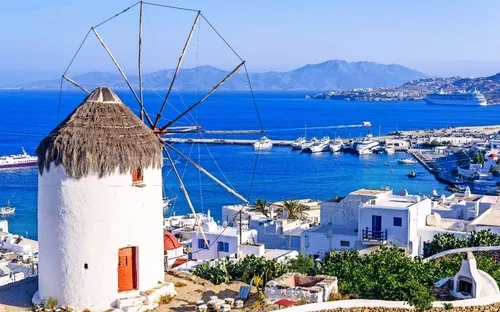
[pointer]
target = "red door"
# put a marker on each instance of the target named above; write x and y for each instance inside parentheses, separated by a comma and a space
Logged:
(126, 269)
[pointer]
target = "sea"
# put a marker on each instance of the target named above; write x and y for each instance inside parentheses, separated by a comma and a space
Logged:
(274, 175)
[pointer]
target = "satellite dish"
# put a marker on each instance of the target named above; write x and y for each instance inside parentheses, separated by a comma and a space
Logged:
(403, 193)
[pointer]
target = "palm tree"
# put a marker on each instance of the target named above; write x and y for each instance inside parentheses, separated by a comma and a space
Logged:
(261, 206)
(294, 210)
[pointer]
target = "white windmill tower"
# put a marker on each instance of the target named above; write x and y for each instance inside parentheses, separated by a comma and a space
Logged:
(100, 190)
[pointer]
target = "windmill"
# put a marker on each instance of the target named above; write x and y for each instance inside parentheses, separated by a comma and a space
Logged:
(154, 121)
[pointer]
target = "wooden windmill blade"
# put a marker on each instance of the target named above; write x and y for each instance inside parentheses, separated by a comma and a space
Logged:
(170, 127)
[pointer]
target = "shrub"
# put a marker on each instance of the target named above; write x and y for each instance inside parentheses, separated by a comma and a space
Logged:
(180, 284)
(51, 303)
(447, 306)
(165, 299)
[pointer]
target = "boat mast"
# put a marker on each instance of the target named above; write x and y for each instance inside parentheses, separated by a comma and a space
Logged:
(139, 62)
(305, 132)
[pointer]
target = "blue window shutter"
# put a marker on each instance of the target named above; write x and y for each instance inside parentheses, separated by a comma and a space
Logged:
(200, 243)
(219, 246)
(226, 247)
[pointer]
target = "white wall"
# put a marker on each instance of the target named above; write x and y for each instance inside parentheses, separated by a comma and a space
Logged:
(172, 255)
(87, 221)
(214, 238)
(4, 226)
(395, 234)
(344, 212)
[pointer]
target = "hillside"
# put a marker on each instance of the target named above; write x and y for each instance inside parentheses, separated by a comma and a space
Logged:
(329, 75)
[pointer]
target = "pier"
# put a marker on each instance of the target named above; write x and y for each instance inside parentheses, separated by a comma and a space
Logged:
(429, 164)
(226, 141)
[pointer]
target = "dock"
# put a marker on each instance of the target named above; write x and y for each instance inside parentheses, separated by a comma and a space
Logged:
(226, 141)
(429, 164)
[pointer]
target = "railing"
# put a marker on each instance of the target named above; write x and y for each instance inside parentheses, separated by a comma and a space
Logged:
(374, 235)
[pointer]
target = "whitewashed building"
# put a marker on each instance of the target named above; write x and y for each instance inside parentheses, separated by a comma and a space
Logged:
(99, 206)
(367, 218)
(224, 242)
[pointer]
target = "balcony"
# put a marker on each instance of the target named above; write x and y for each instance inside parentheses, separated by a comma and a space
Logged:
(374, 237)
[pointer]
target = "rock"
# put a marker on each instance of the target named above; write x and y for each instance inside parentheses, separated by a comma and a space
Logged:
(225, 308)
(202, 308)
(200, 302)
(238, 304)
(229, 301)
(214, 297)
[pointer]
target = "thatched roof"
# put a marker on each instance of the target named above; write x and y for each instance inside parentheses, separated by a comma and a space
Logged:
(99, 136)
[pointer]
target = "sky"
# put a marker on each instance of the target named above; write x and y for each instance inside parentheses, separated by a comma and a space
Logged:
(441, 38)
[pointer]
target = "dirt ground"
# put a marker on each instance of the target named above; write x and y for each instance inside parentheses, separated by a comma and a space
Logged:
(198, 288)
(16, 297)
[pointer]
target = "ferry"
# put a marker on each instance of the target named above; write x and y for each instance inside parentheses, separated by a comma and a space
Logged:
(18, 161)
(366, 124)
(263, 144)
(460, 98)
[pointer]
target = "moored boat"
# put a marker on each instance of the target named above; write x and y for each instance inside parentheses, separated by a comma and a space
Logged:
(390, 150)
(263, 143)
(412, 174)
(318, 146)
(335, 146)
(298, 144)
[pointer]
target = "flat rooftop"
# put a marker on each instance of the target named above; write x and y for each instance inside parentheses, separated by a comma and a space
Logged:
(390, 202)
(368, 192)
(328, 228)
(276, 253)
(490, 218)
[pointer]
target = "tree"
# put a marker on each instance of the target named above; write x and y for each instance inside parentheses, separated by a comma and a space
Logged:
(478, 158)
(294, 210)
(302, 264)
(261, 206)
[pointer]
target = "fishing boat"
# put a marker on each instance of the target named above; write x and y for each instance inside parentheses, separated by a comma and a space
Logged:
(263, 143)
(18, 161)
(7, 210)
(407, 161)
(335, 146)
(412, 174)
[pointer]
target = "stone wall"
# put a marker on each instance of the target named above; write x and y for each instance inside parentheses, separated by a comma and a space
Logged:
(486, 308)
(298, 287)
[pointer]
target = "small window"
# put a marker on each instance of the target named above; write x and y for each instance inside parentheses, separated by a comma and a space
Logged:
(465, 287)
(345, 243)
(398, 221)
(202, 245)
(223, 246)
(137, 176)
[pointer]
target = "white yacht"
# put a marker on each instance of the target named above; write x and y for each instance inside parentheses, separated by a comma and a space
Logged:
(407, 161)
(460, 98)
(263, 143)
(366, 146)
(298, 144)
(7, 210)
(366, 124)
(335, 146)
(318, 146)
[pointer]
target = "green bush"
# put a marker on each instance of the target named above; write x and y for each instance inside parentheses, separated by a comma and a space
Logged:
(447, 241)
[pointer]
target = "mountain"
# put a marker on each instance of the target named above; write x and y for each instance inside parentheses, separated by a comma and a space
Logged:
(329, 75)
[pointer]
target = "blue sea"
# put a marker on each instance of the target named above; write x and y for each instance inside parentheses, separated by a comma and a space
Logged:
(27, 116)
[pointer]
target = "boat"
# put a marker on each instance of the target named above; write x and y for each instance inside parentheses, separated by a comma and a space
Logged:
(366, 124)
(335, 146)
(460, 98)
(263, 143)
(7, 210)
(389, 150)
(407, 161)
(322, 145)
(366, 146)
(18, 161)
(412, 174)
(309, 143)
(298, 144)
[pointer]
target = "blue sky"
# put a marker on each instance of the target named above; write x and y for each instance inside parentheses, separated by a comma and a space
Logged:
(447, 37)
